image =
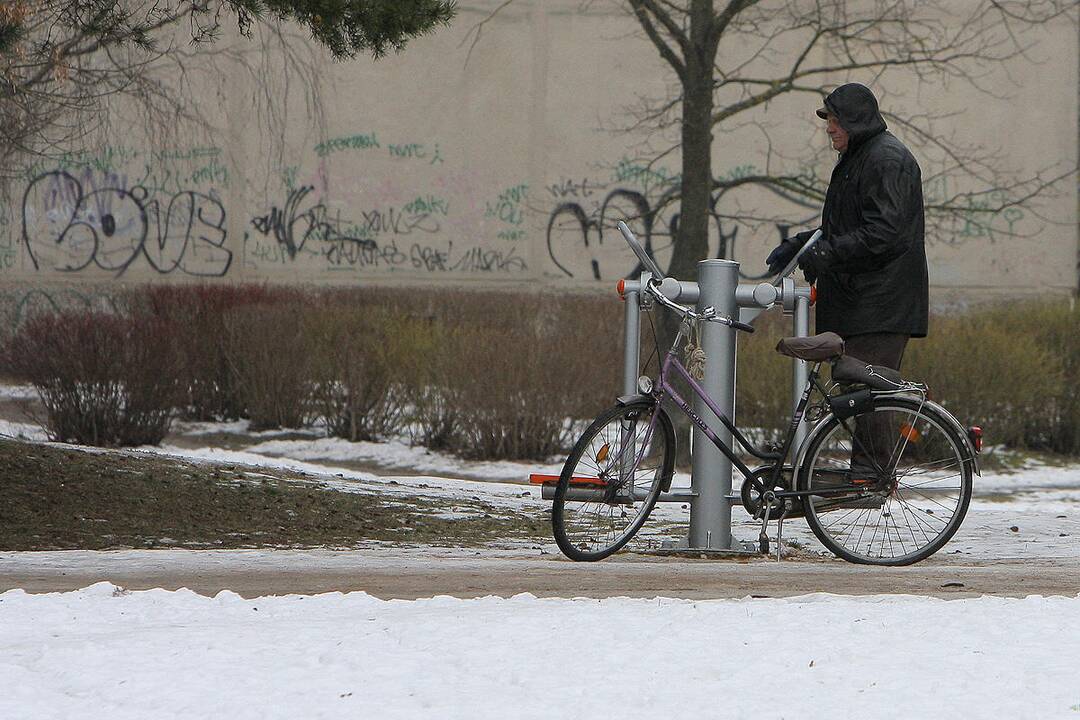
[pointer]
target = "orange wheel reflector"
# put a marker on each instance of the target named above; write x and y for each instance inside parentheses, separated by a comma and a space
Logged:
(602, 455)
(909, 432)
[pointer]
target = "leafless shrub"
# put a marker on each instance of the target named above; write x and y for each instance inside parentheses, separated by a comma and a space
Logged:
(995, 367)
(362, 355)
(529, 366)
(103, 379)
(271, 360)
(764, 378)
(197, 312)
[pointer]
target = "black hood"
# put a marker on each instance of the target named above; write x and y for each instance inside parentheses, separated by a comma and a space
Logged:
(857, 110)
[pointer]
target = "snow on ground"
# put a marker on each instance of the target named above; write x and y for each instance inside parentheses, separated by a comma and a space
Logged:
(23, 431)
(396, 453)
(1041, 501)
(105, 653)
(18, 392)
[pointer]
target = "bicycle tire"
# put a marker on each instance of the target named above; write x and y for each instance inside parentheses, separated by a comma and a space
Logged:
(928, 433)
(578, 524)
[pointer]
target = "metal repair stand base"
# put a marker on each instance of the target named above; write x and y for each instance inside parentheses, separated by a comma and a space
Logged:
(711, 497)
(702, 554)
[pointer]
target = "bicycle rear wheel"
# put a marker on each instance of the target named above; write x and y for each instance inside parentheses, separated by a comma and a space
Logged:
(909, 506)
(612, 479)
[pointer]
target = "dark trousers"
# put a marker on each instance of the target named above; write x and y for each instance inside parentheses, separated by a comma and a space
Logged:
(874, 437)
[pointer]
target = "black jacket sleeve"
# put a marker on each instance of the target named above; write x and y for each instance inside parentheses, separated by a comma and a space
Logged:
(885, 192)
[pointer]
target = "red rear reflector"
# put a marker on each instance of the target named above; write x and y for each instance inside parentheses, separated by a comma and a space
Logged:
(975, 435)
(537, 479)
(813, 294)
(620, 287)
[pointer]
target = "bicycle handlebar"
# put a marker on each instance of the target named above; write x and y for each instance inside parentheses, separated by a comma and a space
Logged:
(742, 326)
(646, 261)
(708, 314)
(652, 287)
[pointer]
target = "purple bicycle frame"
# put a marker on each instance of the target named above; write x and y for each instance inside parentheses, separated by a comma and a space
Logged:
(666, 388)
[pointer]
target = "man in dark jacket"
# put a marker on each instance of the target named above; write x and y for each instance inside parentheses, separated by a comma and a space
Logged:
(870, 263)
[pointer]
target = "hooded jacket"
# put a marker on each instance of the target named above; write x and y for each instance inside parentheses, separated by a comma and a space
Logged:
(871, 260)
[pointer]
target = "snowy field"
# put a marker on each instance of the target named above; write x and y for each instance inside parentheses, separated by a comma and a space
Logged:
(1030, 513)
(105, 653)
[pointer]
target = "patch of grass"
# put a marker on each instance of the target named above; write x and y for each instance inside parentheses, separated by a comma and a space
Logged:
(1005, 460)
(59, 499)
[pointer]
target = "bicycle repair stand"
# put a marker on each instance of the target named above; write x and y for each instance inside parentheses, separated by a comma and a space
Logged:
(711, 498)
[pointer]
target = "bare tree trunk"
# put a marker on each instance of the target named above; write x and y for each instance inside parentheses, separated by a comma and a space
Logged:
(691, 241)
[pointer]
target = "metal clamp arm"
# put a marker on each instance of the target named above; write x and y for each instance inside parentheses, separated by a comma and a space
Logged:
(708, 314)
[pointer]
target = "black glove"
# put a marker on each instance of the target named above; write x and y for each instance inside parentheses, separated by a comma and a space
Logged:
(815, 260)
(786, 250)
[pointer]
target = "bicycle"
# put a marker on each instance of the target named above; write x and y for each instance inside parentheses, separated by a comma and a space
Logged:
(884, 477)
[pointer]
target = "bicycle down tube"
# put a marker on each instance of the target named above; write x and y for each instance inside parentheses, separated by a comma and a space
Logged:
(667, 388)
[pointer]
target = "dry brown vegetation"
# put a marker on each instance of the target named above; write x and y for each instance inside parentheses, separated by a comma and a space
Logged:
(485, 375)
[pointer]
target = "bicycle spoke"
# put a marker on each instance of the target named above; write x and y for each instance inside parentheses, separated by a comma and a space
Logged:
(911, 509)
(626, 452)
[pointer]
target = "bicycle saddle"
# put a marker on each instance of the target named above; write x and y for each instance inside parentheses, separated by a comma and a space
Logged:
(824, 346)
(847, 370)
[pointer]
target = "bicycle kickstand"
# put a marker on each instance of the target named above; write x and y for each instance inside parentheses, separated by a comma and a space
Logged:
(766, 511)
(780, 530)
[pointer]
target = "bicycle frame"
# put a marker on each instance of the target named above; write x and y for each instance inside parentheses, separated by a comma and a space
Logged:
(666, 389)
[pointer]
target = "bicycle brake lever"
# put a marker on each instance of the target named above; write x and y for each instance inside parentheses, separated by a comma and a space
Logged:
(742, 326)
(730, 322)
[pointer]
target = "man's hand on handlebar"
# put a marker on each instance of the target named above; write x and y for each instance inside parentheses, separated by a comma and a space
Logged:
(788, 248)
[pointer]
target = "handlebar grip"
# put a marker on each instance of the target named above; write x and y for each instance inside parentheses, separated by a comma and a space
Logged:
(735, 324)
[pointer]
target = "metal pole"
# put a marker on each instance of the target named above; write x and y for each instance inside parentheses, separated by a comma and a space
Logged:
(710, 510)
(632, 336)
(800, 370)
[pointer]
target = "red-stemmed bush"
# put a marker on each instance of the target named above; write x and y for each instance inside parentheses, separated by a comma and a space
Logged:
(198, 313)
(103, 379)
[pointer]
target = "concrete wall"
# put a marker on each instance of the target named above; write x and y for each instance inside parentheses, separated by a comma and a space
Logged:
(494, 163)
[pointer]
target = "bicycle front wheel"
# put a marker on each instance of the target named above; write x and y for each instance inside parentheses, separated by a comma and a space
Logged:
(893, 492)
(612, 480)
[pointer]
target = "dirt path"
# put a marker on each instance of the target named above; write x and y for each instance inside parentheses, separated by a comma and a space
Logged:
(391, 573)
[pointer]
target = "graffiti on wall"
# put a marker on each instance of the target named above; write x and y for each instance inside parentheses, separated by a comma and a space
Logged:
(412, 209)
(394, 237)
(584, 244)
(97, 219)
(17, 306)
(429, 220)
(977, 218)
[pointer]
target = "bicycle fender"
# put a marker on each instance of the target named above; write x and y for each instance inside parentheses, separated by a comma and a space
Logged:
(800, 453)
(625, 400)
(962, 432)
(819, 428)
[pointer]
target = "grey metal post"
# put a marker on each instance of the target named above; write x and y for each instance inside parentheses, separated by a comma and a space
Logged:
(632, 337)
(710, 510)
(801, 369)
